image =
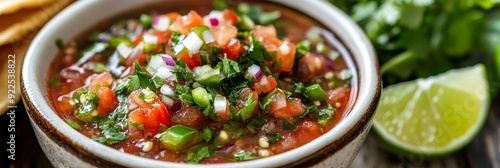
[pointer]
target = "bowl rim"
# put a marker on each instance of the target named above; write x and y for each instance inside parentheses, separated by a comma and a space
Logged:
(349, 34)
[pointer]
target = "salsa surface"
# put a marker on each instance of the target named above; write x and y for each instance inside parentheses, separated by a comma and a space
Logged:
(230, 85)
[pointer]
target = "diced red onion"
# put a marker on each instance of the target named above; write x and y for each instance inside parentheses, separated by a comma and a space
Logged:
(176, 107)
(220, 104)
(214, 22)
(167, 101)
(193, 43)
(208, 37)
(330, 66)
(124, 50)
(255, 71)
(168, 60)
(161, 23)
(225, 147)
(167, 90)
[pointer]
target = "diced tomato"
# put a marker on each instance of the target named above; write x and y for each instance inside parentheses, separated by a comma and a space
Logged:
(107, 101)
(279, 102)
(150, 115)
(306, 131)
(224, 115)
(138, 39)
(265, 31)
(338, 95)
(184, 23)
(163, 37)
(193, 61)
(103, 79)
(310, 66)
(282, 108)
(172, 15)
(188, 116)
(245, 92)
(285, 56)
(101, 84)
(265, 84)
(224, 33)
(295, 107)
(233, 49)
(230, 15)
(136, 55)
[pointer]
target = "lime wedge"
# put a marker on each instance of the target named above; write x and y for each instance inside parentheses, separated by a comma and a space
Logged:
(434, 116)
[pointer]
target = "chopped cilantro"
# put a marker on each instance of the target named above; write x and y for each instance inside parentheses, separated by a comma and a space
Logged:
(287, 125)
(231, 126)
(89, 53)
(199, 154)
(86, 101)
(59, 44)
(273, 137)
(116, 122)
(244, 155)
(237, 134)
(180, 71)
(55, 84)
(257, 52)
(207, 134)
(230, 67)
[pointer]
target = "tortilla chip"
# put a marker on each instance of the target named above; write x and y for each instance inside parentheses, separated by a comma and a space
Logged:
(18, 49)
(11, 6)
(15, 25)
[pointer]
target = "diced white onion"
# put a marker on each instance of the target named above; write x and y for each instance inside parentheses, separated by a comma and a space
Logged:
(208, 37)
(280, 100)
(165, 72)
(167, 101)
(124, 50)
(150, 39)
(161, 23)
(220, 104)
(167, 90)
(255, 71)
(154, 63)
(193, 43)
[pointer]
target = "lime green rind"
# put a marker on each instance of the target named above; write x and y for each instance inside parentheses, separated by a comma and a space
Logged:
(452, 79)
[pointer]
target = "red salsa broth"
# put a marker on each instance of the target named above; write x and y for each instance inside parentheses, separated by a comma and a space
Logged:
(213, 87)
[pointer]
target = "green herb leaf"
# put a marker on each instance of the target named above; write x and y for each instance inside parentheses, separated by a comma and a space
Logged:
(230, 67)
(287, 125)
(244, 155)
(59, 44)
(273, 137)
(207, 134)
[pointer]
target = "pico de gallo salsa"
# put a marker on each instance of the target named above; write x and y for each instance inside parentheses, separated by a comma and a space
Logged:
(235, 84)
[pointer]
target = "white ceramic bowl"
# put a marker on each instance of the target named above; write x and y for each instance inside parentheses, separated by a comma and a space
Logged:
(66, 147)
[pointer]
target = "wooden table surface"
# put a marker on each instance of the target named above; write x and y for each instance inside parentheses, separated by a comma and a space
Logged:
(483, 152)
